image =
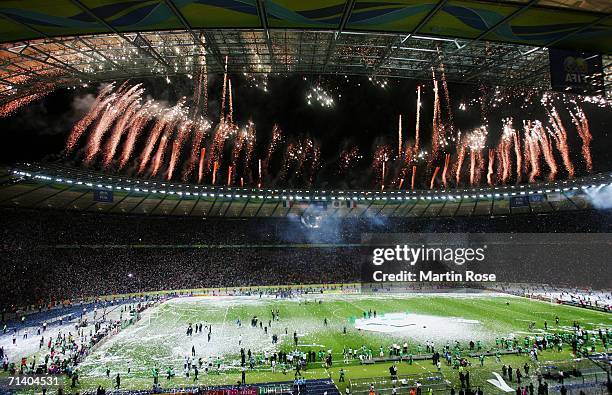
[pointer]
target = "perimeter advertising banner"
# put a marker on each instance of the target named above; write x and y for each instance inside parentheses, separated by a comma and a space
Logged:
(576, 72)
(100, 195)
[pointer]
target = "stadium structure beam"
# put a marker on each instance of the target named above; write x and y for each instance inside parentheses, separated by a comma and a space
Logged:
(496, 26)
(196, 38)
(100, 53)
(263, 18)
(491, 29)
(333, 41)
(244, 207)
(211, 42)
(392, 48)
(545, 46)
(59, 64)
(149, 52)
(27, 72)
(62, 43)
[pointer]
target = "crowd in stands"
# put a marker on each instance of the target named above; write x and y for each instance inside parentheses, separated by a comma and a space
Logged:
(582, 297)
(24, 228)
(82, 272)
(54, 255)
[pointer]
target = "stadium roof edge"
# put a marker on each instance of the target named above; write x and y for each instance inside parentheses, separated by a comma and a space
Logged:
(519, 22)
(57, 187)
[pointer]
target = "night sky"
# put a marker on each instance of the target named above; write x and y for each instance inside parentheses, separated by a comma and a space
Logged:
(364, 114)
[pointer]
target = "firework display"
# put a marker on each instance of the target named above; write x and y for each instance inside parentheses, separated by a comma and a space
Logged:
(122, 132)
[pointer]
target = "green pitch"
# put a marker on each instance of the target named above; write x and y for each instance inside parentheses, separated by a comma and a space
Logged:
(159, 339)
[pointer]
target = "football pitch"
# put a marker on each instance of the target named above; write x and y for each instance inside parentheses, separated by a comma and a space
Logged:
(326, 322)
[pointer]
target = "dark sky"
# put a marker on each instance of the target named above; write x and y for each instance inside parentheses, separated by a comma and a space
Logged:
(364, 114)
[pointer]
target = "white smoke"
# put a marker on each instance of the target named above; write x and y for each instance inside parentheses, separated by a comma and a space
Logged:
(600, 197)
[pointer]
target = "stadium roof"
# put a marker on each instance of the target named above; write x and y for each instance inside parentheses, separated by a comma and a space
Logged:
(58, 187)
(69, 42)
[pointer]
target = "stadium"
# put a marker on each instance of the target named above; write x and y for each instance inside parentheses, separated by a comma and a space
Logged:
(305, 197)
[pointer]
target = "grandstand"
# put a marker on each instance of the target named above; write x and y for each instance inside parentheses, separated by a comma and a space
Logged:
(48, 186)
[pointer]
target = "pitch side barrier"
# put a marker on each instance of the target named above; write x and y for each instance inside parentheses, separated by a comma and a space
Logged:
(585, 306)
(426, 357)
(304, 387)
(403, 383)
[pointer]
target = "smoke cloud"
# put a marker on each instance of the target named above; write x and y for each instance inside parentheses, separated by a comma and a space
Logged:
(600, 198)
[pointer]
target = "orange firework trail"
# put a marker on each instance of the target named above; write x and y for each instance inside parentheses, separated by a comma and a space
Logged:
(436, 126)
(224, 91)
(446, 163)
(104, 122)
(108, 117)
(503, 150)
(221, 134)
(214, 173)
(173, 155)
(152, 138)
(560, 137)
(140, 120)
(79, 128)
(399, 137)
(401, 183)
(532, 149)
(120, 127)
(582, 126)
(159, 155)
(315, 161)
(519, 158)
(546, 149)
(381, 155)
(231, 105)
(501, 162)
(472, 168)
(476, 142)
(200, 96)
(460, 158)
(447, 98)
(406, 158)
(481, 166)
(413, 177)
(277, 136)
(490, 168)
(177, 145)
(229, 176)
(8, 109)
(201, 166)
(201, 128)
(165, 123)
(251, 137)
(433, 177)
(239, 140)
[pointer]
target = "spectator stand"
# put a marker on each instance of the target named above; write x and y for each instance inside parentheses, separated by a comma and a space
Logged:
(579, 373)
